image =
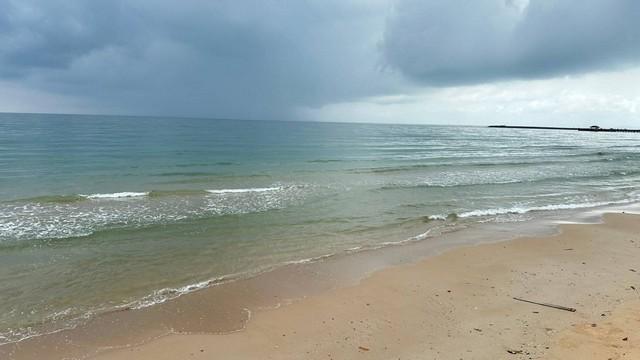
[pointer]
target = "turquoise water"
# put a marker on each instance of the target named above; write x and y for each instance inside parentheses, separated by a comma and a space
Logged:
(103, 212)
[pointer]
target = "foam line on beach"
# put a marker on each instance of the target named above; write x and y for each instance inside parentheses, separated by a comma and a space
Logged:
(116, 195)
(240, 191)
(524, 210)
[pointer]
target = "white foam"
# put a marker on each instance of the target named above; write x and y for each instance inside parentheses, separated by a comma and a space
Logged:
(248, 190)
(309, 260)
(422, 236)
(524, 210)
(118, 195)
(166, 294)
(355, 248)
(418, 237)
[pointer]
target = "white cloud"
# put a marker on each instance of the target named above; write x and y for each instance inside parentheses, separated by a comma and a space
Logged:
(605, 98)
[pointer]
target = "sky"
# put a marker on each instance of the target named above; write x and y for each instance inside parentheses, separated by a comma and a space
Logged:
(543, 62)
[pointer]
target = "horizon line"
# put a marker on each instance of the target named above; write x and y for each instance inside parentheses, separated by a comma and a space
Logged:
(187, 117)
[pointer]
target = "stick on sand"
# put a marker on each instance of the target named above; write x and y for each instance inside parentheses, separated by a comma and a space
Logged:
(547, 305)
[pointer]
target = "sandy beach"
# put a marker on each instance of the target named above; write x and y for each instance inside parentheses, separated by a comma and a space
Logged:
(389, 179)
(457, 305)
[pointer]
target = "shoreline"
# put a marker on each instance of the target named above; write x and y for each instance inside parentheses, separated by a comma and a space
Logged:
(463, 309)
(267, 292)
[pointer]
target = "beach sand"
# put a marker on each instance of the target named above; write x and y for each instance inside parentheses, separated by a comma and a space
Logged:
(457, 305)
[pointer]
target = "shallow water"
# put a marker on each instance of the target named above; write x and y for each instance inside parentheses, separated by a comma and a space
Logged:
(104, 212)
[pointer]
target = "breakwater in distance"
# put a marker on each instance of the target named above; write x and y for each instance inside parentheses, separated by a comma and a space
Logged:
(591, 128)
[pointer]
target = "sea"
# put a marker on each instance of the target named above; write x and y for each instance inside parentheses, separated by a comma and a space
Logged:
(106, 212)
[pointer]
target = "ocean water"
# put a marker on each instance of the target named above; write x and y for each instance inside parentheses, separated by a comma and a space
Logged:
(98, 213)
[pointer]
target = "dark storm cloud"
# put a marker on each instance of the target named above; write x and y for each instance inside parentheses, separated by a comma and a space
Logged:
(54, 33)
(462, 42)
(219, 58)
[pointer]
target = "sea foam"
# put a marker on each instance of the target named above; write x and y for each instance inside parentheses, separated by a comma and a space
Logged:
(118, 195)
(239, 191)
(524, 210)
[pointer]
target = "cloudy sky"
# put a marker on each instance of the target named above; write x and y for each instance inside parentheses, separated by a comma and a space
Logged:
(564, 62)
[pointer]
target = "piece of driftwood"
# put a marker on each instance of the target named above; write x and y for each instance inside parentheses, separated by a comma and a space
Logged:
(547, 305)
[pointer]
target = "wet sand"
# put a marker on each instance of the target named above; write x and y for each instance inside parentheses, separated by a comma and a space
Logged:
(457, 305)
(399, 302)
